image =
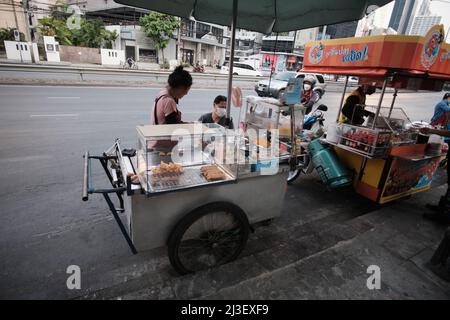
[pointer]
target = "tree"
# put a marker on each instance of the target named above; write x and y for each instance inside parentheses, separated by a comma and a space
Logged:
(92, 33)
(160, 28)
(50, 26)
(7, 34)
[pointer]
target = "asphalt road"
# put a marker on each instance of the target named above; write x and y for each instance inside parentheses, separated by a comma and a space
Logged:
(44, 131)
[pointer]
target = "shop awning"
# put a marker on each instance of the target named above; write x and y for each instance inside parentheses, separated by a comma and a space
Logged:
(264, 16)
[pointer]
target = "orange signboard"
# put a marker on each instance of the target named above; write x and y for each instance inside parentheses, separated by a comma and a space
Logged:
(377, 55)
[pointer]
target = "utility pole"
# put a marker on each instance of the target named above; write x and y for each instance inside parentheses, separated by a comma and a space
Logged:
(26, 8)
(179, 43)
(17, 28)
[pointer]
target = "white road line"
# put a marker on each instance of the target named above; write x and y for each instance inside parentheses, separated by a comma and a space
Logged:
(55, 115)
(63, 97)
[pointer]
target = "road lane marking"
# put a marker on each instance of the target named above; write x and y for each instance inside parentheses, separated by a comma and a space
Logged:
(25, 158)
(63, 97)
(55, 115)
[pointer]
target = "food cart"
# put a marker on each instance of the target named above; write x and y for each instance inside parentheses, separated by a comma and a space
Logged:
(387, 158)
(201, 204)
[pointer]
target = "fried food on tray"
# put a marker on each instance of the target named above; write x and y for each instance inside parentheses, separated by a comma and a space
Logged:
(212, 173)
(167, 168)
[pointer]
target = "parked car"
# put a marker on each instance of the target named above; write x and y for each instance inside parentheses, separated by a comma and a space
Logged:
(241, 69)
(279, 82)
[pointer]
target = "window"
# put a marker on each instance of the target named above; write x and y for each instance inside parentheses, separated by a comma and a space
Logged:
(218, 33)
(26, 47)
(202, 29)
(147, 55)
(320, 78)
(187, 28)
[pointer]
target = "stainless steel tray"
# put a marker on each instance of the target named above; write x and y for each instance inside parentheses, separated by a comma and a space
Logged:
(189, 178)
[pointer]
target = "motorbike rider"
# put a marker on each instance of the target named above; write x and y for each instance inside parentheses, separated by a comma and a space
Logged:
(130, 62)
(309, 96)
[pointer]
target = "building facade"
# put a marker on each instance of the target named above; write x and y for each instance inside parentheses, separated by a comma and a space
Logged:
(422, 24)
(247, 43)
(281, 42)
(199, 42)
(403, 15)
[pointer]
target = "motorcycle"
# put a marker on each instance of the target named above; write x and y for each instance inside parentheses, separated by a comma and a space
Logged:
(199, 69)
(312, 128)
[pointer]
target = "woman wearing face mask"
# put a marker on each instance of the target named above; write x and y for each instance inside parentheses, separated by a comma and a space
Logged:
(165, 110)
(309, 96)
(219, 114)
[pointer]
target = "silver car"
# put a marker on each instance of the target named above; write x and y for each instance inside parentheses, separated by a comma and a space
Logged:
(276, 86)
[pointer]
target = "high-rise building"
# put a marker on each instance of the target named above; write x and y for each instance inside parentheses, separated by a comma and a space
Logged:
(403, 15)
(424, 9)
(340, 30)
(422, 24)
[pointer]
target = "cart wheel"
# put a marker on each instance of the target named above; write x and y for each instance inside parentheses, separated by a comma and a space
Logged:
(208, 236)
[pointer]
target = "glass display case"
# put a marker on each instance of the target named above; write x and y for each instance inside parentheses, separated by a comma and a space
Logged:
(366, 141)
(392, 128)
(184, 156)
(265, 120)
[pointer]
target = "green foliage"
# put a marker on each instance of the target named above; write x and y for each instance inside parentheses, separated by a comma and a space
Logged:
(7, 34)
(159, 27)
(50, 26)
(92, 33)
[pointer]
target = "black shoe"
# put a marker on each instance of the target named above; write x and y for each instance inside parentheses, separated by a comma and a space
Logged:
(439, 217)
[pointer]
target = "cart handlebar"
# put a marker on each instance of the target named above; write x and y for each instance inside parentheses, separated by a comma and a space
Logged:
(85, 176)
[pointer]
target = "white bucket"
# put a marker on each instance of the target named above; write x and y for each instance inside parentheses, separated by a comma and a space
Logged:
(332, 133)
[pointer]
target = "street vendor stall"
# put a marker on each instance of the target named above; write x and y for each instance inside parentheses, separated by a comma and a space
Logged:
(388, 159)
(201, 188)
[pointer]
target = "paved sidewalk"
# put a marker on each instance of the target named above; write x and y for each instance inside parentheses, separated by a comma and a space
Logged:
(319, 249)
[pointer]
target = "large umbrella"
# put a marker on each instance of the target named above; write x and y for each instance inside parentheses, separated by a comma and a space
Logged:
(263, 16)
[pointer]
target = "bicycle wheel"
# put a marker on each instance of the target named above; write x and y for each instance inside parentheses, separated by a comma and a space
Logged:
(209, 236)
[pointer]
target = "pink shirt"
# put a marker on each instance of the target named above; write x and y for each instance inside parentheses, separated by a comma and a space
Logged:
(166, 105)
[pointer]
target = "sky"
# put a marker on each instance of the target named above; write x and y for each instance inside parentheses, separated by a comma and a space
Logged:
(442, 8)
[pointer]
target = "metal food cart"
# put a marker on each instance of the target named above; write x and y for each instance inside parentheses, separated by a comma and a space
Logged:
(384, 152)
(204, 218)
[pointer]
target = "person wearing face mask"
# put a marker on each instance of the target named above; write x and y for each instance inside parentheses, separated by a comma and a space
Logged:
(219, 113)
(353, 108)
(309, 96)
(165, 110)
(441, 111)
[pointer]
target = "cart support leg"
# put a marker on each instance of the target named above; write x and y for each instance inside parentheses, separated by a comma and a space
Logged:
(119, 222)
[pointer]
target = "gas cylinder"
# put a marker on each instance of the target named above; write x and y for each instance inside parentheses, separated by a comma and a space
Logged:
(330, 169)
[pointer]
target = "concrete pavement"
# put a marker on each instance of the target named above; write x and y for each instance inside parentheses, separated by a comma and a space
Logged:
(319, 248)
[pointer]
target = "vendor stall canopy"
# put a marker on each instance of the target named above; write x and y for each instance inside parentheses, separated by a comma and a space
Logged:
(264, 16)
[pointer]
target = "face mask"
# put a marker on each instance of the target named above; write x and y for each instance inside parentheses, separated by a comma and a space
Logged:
(221, 112)
(307, 87)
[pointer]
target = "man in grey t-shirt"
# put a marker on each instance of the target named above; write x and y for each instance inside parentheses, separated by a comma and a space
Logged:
(219, 114)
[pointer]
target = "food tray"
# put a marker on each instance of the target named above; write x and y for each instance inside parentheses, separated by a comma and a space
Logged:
(190, 177)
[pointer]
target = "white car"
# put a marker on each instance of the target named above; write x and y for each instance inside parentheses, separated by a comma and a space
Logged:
(241, 69)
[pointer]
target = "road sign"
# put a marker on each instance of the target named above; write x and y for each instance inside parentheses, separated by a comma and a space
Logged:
(16, 35)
